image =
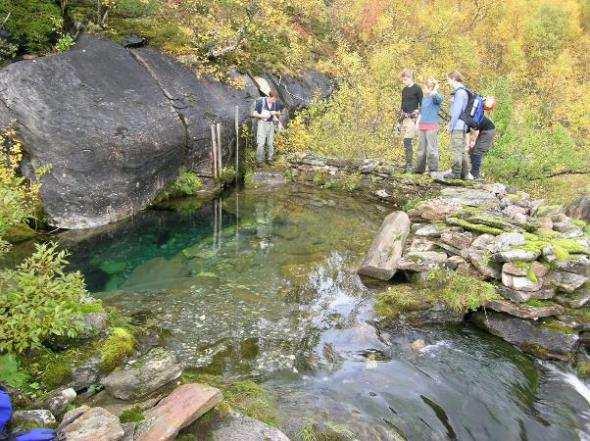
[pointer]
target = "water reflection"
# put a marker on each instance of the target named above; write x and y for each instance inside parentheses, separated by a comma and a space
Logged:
(264, 285)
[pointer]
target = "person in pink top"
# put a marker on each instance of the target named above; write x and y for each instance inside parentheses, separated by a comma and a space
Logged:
(428, 123)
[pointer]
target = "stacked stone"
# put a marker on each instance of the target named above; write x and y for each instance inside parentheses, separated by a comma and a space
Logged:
(500, 235)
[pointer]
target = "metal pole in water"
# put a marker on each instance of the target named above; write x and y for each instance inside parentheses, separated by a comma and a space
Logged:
(237, 127)
(219, 154)
(213, 152)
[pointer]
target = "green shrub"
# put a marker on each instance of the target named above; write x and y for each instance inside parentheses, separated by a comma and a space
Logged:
(40, 301)
(11, 372)
(132, 415)
(227, 175)
(352, 182)
(65, 43)
(118, 345)
(33, 23)
(188, 183)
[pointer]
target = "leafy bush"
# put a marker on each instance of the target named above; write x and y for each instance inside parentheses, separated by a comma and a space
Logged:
(65, 43)
(11, 372)
(19, 200)
(40, 301)
(187, 183)
(32, 23)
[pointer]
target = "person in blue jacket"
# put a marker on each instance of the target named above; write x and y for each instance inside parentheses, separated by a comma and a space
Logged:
(6, 416)
(428, 125)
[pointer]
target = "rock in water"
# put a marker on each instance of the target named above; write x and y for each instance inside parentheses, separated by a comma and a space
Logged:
(150, 372)
(86, 424)
(175, 412)
(386, 250)
(528, 336)
(116, 124)
(238, 427)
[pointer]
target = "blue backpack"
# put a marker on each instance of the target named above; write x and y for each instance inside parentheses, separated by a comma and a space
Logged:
(474, 111)
(6, 416)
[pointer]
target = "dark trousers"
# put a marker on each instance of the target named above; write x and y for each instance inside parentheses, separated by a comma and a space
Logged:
(482, 144)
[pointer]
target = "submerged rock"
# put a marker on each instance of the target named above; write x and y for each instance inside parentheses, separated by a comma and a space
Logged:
(529, 336)
(86, 424)
(177, 411)
(383, 256)
(238, 427)
(149, 373)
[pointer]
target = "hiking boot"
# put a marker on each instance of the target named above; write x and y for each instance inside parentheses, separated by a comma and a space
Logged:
(469, 177)
(450, 176)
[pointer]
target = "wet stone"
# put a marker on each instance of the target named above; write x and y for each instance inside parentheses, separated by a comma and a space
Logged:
(524, 311)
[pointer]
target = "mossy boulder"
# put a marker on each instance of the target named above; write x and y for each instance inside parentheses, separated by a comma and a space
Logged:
(149, 373)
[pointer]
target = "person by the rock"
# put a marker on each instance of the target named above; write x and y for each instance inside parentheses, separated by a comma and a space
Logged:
(267, 111)
(428, 122)
(457, 128)
(410, 109)
(481, 139)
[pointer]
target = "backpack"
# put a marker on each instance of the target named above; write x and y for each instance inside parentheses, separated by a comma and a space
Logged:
(6, 416)
(473, 114)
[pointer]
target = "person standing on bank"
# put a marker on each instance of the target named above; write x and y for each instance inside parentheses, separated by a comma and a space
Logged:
(428, 121)
(267, 111)
(481, 139)
(457, 128)
(410, 109)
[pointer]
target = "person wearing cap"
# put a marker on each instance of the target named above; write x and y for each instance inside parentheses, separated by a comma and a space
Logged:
(481, 139)
(267, 111)
(410, 109)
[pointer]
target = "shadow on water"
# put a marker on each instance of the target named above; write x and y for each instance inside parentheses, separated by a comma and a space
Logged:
(263, 285)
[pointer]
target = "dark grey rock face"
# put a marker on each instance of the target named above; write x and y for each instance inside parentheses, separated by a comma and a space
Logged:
(116, 124)
(527, 335)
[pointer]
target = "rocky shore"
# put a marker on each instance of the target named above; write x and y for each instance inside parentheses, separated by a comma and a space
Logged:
(534, 255)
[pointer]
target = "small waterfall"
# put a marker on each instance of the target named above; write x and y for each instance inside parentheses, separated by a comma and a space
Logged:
(571, 379)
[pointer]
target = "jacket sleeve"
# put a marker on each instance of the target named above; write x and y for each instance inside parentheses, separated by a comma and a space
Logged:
(420, 96)
(459, 104)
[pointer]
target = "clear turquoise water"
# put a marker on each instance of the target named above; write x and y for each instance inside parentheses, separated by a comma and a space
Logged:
(263, 285)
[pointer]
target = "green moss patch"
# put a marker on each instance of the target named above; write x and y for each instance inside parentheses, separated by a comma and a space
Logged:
(476, 228)
(118, 345)
(132, 415)
(246, 396)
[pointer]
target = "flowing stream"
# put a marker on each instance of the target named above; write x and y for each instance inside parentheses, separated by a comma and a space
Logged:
(262, 284)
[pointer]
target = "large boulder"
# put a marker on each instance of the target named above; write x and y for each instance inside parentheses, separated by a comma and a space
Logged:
(149, 373)
(580, 208)
(116, 124)
(385, 252)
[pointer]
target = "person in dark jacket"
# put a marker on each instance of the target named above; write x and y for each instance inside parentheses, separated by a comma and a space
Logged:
(481, 139)
(410, 109)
